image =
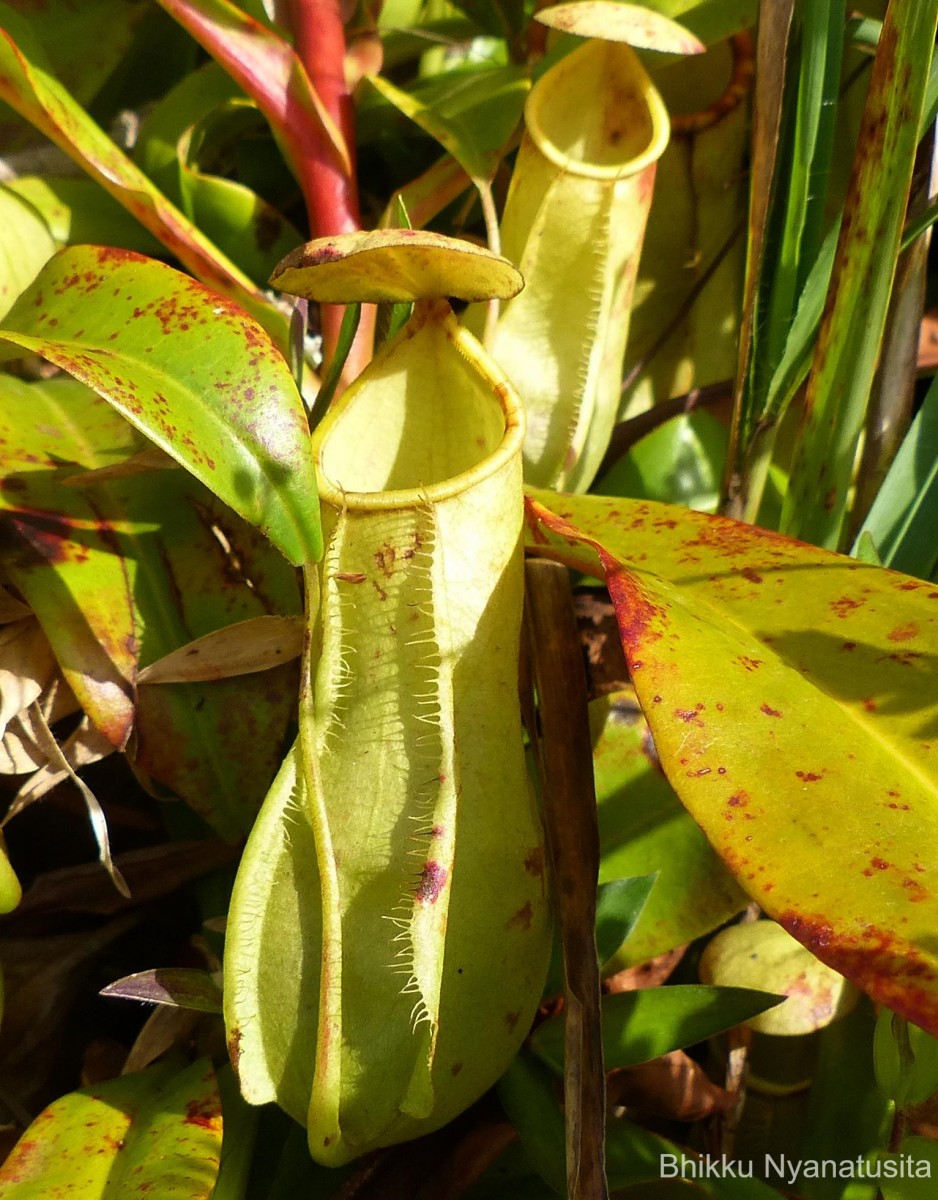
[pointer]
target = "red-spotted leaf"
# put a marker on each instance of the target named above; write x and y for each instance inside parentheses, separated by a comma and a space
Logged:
(127, 569)
(191, 370)
(793, 698)
(28, 85)
(158, 1132)
(643, 829)
(60, 547)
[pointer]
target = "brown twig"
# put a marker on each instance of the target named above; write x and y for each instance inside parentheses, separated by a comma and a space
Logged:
(566, 761)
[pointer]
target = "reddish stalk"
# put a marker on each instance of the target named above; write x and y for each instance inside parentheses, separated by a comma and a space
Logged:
(331, 194)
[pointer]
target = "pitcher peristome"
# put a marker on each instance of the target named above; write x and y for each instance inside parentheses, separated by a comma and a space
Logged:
(389, 932)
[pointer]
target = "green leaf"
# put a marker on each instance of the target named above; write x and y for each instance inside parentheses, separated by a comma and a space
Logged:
(84, 42)
(528, 1096)
(904, 515)
(641, 1025)
(847, 1115)
(80, 210)
(619, 905)
(159, 1130)
(470, 113)
(25, 246)
(61, 552)
(906, 1060)
(917, 1183)
(189, 369)
(848, 349)
(10, 890)
(791, 694)
(198, 122)
(27, 83)
(499, 18)
(643, 827)
(710, 20)
(680, 462)
(131, 568)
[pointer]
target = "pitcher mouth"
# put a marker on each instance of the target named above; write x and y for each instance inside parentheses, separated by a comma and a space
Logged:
(572, 123)
(500, 446)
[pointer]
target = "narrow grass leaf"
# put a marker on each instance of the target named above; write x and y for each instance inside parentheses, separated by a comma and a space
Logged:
(865, 261)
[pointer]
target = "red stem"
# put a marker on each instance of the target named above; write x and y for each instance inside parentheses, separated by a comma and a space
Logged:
(331, 195)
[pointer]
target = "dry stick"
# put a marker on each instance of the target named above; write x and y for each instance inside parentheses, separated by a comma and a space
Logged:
(566, 762)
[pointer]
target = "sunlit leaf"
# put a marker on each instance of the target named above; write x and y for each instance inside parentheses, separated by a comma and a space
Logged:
(131, 569)
(904, 515)
(629, 23)
(470, 115)
(643, 828)
(160, 1130)
(25, 246)
(269, 70)
(792, 697)
(680, 462)
(191, 370)
(84, 43)
(27, 83)
(196, 122)
(80, 210)
(864, 265)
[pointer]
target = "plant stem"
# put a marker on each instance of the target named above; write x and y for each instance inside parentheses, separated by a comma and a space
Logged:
(331, 194)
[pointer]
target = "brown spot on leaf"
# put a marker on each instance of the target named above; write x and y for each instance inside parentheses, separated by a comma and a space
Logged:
(384, 560)
(511, 1020)
(534, 861)
(204, 1112)
(769, 712)
(522, 918)
(843, 607)
(904, 633)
